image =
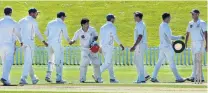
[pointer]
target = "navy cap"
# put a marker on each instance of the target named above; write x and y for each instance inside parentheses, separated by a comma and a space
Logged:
(60, 14)
(110, 16)
(32, 10)
(7, 10)
(195, 11)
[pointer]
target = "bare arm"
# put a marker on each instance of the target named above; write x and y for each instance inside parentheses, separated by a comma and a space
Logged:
(138, 40)
(205, 35)
(187, 37)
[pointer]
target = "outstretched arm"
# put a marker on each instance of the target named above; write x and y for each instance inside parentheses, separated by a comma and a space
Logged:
(116, 39)
(37, 32)
(76, 35)
(65, 33)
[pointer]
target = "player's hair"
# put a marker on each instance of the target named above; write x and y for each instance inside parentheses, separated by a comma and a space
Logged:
(7, 10)
(138, 14)
(84, 21)
(165, 15)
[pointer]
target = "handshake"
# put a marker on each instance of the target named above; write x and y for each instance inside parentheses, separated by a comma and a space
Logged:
(71, 42)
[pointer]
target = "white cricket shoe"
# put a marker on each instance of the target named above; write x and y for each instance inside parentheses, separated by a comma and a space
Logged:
(98, 80)
(61, 82)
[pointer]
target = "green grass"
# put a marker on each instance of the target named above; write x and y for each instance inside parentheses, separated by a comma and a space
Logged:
(123, 10)
(125, 74)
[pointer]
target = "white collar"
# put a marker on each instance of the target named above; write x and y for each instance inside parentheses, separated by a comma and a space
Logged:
(30, 17)
(139, 22)
(9, 17)
(109, 22)
(198, 21)
(84, 31)
(59, 19)
(164, 23)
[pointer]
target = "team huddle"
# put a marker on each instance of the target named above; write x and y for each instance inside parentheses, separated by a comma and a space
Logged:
(27, 28)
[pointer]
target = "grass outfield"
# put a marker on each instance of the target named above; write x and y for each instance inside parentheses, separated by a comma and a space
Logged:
(125, 74)
(123, 10)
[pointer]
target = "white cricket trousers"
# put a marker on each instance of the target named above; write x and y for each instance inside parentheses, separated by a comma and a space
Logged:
(56, 56)
(28, 49)
(139, 61)
(197, 48)
(7, 57)
(86, 57)
(168, 53)
(108, 64)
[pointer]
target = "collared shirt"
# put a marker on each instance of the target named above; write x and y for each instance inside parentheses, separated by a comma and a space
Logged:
(54, 31)
(166, 35)
(108, 35)
(140, 29)
(85, 38)
(29, 28)
(196, 29)
(9, 30)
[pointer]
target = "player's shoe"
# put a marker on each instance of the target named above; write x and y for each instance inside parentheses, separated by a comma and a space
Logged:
(47, 79)
(193, 80)
(23, 82)
(61, 82)
(180, 80)
(81, 81)
(154, 80)
(5, 82)
(114, 81)
(139, 82)
(147, 77)
(190, 79)
(98, 80)
(35, 81)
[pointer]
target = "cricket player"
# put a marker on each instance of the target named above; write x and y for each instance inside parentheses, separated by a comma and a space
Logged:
(107, 36)
(140, 46)
(54, 31)
(8, 34)
(166, 49)
(29, 28)
(87, 36)
(198, 30)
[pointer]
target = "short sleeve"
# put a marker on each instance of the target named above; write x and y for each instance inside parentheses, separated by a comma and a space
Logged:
(140, 29)
(188, 28)
(204, 26)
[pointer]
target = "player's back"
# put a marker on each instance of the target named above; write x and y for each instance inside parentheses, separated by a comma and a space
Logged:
(106, 34)
(27, 28)
(54, 31)
(7, 25)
